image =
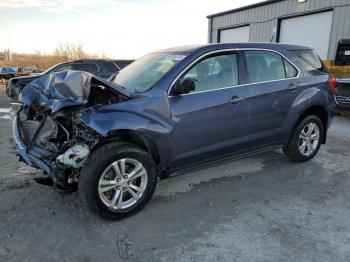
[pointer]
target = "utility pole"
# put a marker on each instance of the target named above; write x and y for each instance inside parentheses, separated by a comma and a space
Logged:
(7, 55)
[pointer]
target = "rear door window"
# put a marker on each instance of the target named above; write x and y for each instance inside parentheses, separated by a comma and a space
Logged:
(265, 66)
(290, 69)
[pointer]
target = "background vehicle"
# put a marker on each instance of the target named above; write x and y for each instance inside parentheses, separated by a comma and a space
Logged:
(171, 112)
(343, 53)
(343, 94)
(100, 67)
(7, 72)
(23, 71)
(121, 63)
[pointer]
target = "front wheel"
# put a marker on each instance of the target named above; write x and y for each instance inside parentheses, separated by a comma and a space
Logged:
(306, 139)
(118, 180)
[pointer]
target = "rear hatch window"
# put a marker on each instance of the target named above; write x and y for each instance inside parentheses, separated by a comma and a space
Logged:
(311, 58)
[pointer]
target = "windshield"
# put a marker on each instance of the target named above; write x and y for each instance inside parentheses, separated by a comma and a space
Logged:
(11, 69)
(142, 74)
(8, 69)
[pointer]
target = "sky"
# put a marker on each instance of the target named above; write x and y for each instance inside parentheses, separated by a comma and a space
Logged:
(116, 28)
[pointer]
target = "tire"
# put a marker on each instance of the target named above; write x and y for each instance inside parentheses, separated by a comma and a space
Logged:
(294, 150)
(101, 173)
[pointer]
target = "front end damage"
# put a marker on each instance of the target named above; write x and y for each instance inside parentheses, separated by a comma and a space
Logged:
(47, 131)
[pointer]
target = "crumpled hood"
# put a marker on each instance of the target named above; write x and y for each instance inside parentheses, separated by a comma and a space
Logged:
(62, 89)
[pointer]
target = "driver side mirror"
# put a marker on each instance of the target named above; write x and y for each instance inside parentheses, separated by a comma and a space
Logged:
(184, 87)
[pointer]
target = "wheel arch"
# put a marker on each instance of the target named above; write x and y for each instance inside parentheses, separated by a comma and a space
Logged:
(135, 137)
(319, 111)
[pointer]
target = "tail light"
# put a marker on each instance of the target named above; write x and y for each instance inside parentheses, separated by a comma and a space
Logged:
(332, 84)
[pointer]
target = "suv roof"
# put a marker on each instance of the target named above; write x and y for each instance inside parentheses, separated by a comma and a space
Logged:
(91, 60)
(84, 61)
(193, 48)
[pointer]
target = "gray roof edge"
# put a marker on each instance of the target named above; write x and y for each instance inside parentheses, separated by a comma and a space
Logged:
(266, 2)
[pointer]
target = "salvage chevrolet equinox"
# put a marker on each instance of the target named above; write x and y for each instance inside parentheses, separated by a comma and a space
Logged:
(171, 112)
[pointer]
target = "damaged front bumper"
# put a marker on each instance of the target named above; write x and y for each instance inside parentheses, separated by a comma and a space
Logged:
(48, 132)
(22, 151)
(74, 156)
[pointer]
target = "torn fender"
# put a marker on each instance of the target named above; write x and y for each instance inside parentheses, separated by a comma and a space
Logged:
(104, 122)
(107, 122)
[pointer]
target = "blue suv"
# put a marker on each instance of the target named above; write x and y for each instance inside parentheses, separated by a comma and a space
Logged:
(171, 112)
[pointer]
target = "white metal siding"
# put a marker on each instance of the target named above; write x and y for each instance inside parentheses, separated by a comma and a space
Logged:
(235, 35)
(263, 20)
(310, 30)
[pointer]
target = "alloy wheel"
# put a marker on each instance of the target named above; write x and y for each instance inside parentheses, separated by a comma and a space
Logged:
(309, 139)
(122, 183)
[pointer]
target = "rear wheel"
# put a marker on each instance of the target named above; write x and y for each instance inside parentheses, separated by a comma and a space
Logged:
(118, 180)
(306, 139)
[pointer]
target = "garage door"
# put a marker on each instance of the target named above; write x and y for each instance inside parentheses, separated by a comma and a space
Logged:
(311, 30)
(235, 35)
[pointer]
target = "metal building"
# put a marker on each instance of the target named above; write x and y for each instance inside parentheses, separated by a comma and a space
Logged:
(317, 23)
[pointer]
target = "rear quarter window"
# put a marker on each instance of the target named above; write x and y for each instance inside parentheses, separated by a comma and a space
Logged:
(311, 59)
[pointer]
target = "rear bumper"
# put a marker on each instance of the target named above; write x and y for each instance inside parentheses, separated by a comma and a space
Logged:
(23, 152)
(343, 102)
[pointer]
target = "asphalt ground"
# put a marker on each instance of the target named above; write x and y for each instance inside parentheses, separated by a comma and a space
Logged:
(262, 208)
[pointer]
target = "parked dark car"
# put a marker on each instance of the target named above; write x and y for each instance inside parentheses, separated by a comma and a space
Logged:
(121, 63)
(171, 112)
(102, 68)
(342, 56)
(23, 71)
(7, 72)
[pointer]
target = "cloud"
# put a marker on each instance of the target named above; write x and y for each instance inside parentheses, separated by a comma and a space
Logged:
(116, 28)
(58, 6)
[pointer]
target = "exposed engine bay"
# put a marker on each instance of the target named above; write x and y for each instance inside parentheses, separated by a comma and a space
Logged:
(49, 125)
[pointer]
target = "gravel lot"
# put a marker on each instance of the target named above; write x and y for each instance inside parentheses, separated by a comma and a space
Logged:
(262, 208)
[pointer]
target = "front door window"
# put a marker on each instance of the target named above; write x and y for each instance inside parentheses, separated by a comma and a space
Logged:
(215, 72)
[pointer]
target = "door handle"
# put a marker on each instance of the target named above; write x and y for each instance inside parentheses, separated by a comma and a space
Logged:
(236, 99)
(292, 87)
